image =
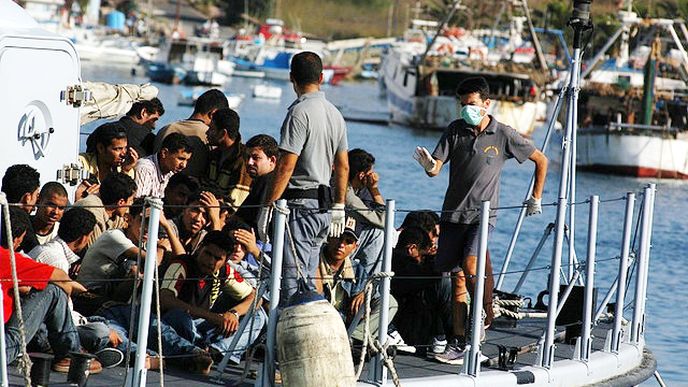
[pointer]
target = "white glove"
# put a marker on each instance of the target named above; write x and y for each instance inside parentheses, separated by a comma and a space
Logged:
(264, 218)
(533, 206)
(338, 220)
(424, 158)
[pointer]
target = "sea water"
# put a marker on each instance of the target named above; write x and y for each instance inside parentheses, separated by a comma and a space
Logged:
(403, 180)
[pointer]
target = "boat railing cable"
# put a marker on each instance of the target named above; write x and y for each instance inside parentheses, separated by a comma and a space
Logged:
(24, 360)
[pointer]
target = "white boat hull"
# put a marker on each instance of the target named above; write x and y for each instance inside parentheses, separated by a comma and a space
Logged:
(641, 155)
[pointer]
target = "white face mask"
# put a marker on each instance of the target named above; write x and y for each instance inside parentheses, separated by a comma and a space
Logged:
(473, 114)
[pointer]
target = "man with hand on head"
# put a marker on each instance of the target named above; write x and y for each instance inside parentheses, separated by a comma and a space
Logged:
(476, 146)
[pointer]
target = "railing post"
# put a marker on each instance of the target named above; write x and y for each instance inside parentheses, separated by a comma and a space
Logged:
(3, 343)
(522, 214)
(637, 326)
(588, 305)
(531, 262)
(139, 376)
(281, 213)
(623, 272)
(473, 365)
(380, 370)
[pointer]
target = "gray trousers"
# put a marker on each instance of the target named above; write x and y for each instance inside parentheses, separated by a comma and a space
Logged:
(308, 228)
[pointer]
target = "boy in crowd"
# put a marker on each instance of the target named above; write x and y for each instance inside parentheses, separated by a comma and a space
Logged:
(114, 255)
(203, 299)
(203, 212)
(111, 204)
(51, 205)
(139, 123)
(366, 206)
(154, 172)
(261, 159)
(425, 303)
(177, 193)
(194, 128)
(21, 183)
(226, 174)
(110, 154)
(44, 292)
(61, 253)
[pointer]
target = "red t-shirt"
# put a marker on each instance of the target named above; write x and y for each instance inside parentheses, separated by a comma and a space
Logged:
(29, 273)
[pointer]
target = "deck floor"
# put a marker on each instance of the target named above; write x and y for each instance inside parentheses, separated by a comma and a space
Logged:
(525, 337)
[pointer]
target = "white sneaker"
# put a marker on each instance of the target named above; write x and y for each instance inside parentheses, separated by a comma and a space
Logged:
(395, 339)
(439, 345)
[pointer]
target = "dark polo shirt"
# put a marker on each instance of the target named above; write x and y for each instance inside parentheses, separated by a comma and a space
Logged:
(475, 166)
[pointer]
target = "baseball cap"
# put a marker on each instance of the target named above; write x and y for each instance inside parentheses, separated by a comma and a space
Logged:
(350, 228)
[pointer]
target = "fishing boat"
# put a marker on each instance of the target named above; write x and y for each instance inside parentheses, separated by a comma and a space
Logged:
(419, 79)
(634, 107)
(533, 348)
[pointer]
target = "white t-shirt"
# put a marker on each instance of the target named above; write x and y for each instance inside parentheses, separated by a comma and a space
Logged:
(104, 259)
(43, 239)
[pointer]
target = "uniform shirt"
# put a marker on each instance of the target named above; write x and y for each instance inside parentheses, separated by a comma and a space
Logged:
(195, 131)
(149, 178)
(315, 131)
(183, 278)
(475, 166)
(105, 260)
(29, 273)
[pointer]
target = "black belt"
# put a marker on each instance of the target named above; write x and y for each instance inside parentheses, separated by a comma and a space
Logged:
(321, 193)
(291, 194)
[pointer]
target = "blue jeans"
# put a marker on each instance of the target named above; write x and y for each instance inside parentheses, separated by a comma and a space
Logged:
(371, 242)
(118, 318)
(205, 334)
(48, 307)
(309, 229)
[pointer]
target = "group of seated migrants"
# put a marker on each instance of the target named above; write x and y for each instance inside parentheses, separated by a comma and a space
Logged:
(79, 259)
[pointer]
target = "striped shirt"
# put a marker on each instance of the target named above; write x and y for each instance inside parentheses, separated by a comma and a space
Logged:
(55, 253)
(149, 178)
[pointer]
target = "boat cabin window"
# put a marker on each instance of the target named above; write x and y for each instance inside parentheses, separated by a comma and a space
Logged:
(502, 86)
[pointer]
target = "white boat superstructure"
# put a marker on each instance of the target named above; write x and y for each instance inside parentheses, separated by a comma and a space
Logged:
(424, 96)
(634, 110)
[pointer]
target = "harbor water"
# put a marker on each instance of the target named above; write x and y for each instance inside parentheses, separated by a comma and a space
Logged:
(402, 179)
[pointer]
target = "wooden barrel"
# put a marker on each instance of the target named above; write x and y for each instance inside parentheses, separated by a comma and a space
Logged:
(313, 348)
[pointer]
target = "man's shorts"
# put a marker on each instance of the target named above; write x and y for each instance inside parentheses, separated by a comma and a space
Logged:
(457, 241)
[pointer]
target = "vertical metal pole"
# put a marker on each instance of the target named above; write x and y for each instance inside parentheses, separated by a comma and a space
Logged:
(572, 196)
(522, 213)
(548, 348)
(268, 374)
(588, 304)
(3, 343)
(623, 271)
(380, 370)
(641, 278)
(139, 376)
(473, 367)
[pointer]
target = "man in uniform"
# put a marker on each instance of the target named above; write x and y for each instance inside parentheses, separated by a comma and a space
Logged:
(476, 145)
(312, 140)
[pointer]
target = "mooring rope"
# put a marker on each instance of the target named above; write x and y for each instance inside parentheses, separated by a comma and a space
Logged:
(24, 361)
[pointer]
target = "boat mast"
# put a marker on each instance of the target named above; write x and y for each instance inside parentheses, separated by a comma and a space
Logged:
(624, 48)
(453, 9)
(534, 37)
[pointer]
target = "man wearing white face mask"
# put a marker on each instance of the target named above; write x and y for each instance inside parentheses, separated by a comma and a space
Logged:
(476, 145)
